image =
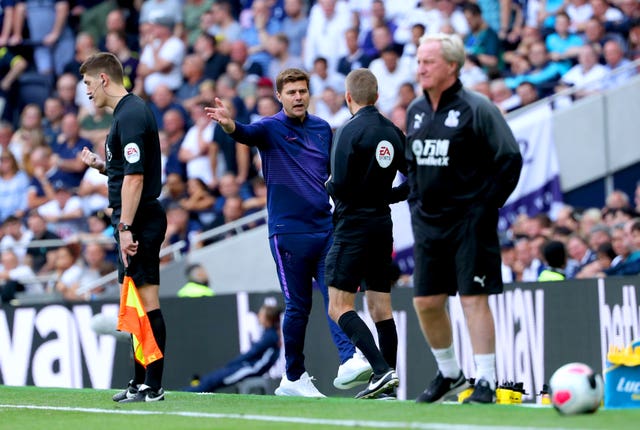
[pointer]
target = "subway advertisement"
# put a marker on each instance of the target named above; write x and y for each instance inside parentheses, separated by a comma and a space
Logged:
(539, 327)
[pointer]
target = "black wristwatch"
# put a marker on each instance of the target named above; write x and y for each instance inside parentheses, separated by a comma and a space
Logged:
(124, 227)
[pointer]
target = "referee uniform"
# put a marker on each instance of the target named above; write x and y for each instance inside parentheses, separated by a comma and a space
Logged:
(133, 147)
(368, 151)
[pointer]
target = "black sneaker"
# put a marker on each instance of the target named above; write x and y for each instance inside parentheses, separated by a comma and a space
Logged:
(442, 388)
(145, 394)
(379, 384)
(127, 393)
(388, 394)
(482, 393)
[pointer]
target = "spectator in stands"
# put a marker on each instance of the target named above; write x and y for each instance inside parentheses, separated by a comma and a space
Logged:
(631, 265)
(95, 265)
(391, 71)
(544, 73)
(68, 270)
(180, 228)
(239, 53)
(43, 174)
(630, 17)
(161, 59)
(13, 187)
(193, 72)
(278, 48)
(602, 10)
(636, 197)
(95, 128)
(562, 44)
(323, 77)
(15, 277)
(378, 19)
(66, 90)
(355, 57)
(398, 117)
(199, 202)
(527, 93)
(255, 362)
(151, 10)
(508, 259)
(174, 127)
(256, 35)
(117, 43)
(215, 62)
(174, 190)
(526, 266)
(596, 35)
(192, 10)
(11, 66)
(586, 76)
(29, 135)
(116, 22)
(502, 96)
(331, 108)
(197, 283)
(481, 41)
(471, 74)
(266, 105)
(67, 152)
(599, 234)
(6, 133)
(555, 258)
(194, 150)
(7, 10)
(579, 253)
(620, 244)
(259, 199)
(530, 35)
(226, 29)
(50, 34)
(85, 46)
(52, 121)
(328, 21)
(15, 236)
(162, 100)
(617, 66)
(579, 12)
(617, 199)
(41, 259)
(589, 218)
(64, 213)
(294, 25)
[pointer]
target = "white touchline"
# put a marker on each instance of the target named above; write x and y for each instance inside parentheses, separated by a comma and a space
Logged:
(273, 418)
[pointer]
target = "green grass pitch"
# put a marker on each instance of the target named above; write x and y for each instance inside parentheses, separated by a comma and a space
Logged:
(34, 408)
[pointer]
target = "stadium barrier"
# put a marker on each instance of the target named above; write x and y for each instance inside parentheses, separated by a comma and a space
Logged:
(539, 327)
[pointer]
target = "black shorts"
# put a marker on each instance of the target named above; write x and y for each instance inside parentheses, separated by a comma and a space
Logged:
(460, 255)
(361, 255)
(148, 229)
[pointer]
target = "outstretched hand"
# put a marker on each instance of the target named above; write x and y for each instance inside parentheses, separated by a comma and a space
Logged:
(221, 115)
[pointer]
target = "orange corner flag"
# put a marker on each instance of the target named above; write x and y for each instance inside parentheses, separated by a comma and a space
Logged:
(133, 319)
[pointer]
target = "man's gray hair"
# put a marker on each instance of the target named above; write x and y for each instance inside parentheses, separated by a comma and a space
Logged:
(451, 45)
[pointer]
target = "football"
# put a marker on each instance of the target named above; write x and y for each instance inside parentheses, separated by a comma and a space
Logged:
(576, 389)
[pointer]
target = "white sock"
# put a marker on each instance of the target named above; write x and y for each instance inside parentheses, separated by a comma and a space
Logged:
(486, 368)
(447, 363)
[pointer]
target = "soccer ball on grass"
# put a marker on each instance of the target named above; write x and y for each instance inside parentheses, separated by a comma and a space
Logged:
(576, 389)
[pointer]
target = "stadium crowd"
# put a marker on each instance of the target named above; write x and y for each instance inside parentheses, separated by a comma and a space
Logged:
(180, 54)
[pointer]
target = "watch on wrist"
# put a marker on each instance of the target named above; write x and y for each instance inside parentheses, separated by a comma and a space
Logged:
(124, 227)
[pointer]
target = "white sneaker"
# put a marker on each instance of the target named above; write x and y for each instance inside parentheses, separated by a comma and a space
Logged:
(303, 387)
(353, 372)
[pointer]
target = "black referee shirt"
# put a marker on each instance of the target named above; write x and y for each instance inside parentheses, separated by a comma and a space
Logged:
(133, 147)
(367, 152)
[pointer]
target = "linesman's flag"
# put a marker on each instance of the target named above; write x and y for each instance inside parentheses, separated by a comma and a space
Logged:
(133, 319)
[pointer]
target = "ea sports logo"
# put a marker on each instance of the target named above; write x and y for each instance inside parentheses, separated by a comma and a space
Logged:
(132, 153)
(384, 154)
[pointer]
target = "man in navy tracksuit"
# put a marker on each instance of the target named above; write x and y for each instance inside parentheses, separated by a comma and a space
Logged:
(295, 147)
